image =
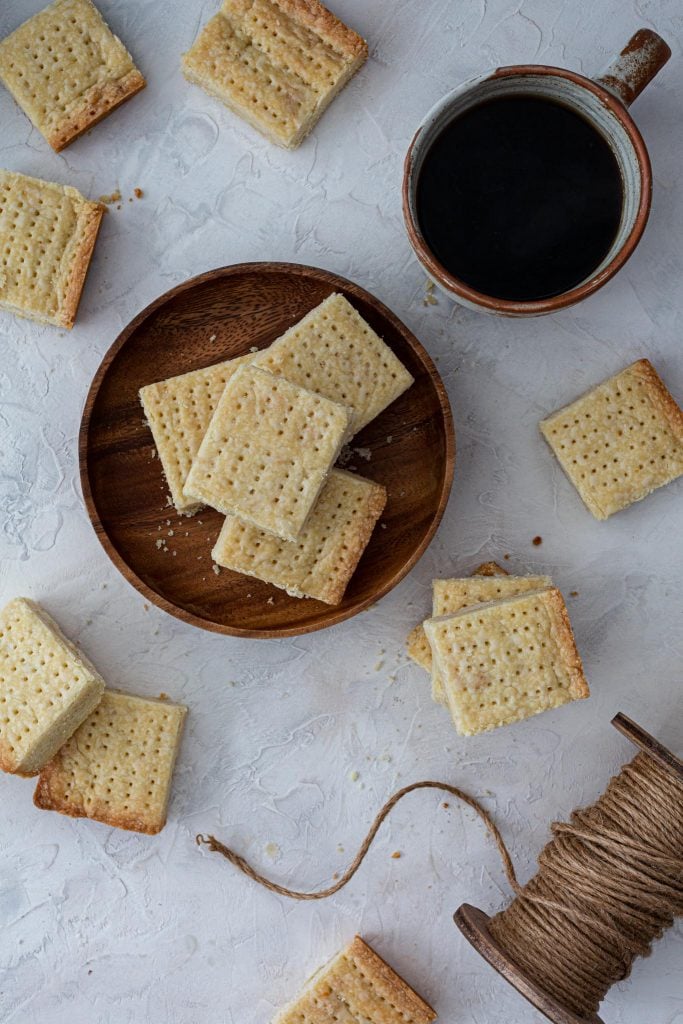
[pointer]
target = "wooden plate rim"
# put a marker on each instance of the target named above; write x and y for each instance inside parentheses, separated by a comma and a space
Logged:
(335, 281)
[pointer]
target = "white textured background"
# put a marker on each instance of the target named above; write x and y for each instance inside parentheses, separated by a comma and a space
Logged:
(102, 926)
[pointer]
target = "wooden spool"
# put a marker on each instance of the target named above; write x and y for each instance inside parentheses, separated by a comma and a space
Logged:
(473, 923)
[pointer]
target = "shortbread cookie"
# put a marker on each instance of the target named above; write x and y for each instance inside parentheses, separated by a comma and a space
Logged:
(47, 687)
(67, 70)
(417, 644)
(49, 233)
(357, 985)
(335, 352)
(451, 596)
(178, 412)
(118, 766)
(267, 452)
(620, 441)
(275, 63)
(321, 562)
(505, 660)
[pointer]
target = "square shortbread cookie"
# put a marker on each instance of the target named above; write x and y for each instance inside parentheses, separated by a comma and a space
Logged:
(267, 452)
(417, 644)
(178, 412)
(48, 232)
(67, 70)
(357, 985)
(275, 63)
(117, 768)
(450, 596)
(321, 562)
(335, 352)
(505, 660)
(620, 441)
(47, 687)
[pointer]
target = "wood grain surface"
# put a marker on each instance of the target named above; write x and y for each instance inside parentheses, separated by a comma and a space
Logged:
(216, 316)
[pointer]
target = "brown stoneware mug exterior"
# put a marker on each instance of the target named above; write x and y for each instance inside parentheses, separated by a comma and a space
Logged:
(603, 102)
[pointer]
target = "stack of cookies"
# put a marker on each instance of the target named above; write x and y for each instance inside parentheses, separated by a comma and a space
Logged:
(257, 437)
(499, 648)
(98, 753)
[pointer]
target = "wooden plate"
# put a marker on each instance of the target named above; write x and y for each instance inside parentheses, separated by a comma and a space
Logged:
(215, 316)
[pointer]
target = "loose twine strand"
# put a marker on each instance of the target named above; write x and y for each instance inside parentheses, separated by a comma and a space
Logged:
(610, 881)
(217, 847)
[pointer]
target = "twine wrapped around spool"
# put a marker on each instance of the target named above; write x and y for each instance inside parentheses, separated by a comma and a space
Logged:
(609, 883)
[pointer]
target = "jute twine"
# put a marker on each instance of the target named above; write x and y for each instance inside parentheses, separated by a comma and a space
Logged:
(610, 881)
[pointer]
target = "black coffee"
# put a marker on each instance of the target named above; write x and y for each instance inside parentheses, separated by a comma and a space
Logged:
(520, 197)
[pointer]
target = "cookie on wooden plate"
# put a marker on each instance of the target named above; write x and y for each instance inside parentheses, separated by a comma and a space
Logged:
(323, 559)
(67, 70)
(117, 768)
(49, 234)
(267, 452)
(47, 687)
(619, 441)
(357, 985)
(178, 412)
(506, 660)
(276, 63)
(334, 352)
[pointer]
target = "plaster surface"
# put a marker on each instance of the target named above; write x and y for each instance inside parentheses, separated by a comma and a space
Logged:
(292, 745)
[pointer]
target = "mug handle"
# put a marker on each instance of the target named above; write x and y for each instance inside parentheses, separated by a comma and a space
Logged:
(644, 55)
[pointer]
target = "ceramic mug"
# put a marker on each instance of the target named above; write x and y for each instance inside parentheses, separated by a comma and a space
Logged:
(603, 102)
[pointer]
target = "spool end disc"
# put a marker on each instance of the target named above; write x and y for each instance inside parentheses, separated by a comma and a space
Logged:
(649, 745)
(473, 923)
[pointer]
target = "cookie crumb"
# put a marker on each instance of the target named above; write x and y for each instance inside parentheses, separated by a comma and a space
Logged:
(396, 855)
(216, 568)
(444, 804)
(537, 541)
(112, 198)
(573, 593)
(138, 193)
(364, 453)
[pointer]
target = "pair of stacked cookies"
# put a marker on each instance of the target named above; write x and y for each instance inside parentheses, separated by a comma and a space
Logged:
(99, 753)
(257, 437)
(499, 648)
